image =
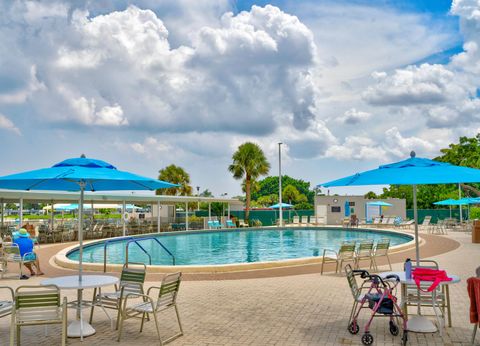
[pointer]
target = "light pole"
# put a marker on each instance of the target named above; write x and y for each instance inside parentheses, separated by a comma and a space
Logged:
(280, 209)
(198, 201)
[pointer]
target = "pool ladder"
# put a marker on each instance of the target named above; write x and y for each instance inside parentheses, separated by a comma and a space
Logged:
(134, 240)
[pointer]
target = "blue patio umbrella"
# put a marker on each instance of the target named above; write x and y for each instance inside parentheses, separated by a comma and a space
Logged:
(284, 205)
(451, 201)
(380, 204)
(413, 171)
(80, 174)
(347, 208)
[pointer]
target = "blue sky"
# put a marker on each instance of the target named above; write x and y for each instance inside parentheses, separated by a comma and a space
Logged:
(346, 85)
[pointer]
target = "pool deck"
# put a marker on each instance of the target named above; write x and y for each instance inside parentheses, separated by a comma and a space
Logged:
(283, 306)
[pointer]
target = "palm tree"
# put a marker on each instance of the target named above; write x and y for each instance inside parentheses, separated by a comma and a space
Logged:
(176, 175)
(249, 163)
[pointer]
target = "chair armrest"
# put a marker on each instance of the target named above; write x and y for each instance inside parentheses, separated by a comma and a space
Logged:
(25, 254)
(329, 250)
(153, 287)
(10, 289)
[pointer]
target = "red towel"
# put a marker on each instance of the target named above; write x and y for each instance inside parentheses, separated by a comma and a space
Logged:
(473, 287)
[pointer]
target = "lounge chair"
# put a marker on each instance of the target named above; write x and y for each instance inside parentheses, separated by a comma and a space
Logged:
(376, 221)
(296, 220)
(381, 250)
(406, 223)
(364, 252)
(230, 224)
(304, 221)
(38, 305)
(345, 254)
(11, 253)
(166, 299)
(6, 305)
(217, 224)
(390, 222)
(425, 225)
(346, 222)
(242, 223)
(131, 282)
(321, 220)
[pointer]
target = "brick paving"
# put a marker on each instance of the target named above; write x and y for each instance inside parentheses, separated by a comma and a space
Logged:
(305, 309)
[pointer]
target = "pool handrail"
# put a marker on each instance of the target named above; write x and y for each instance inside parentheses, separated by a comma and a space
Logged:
(108, 241)
(136, 240)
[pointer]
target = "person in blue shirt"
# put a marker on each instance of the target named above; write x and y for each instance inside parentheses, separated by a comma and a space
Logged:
(25, 244)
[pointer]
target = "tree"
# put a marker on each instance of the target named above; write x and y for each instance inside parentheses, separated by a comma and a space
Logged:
(206, 193)
(176, 175)
(269, 186)
(370, 195)
(249, 163)
(266, 201)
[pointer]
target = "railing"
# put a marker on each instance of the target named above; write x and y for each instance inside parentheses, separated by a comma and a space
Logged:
(136, 240)
(133, 240)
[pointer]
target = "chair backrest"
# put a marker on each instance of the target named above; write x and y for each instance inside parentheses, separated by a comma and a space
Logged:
(382, 247)
(391, 221)
(365, 247)
(352, 282)
(168, 292)
(426, 220)
(133, 277)
(321, 220)
(37, 303)
(230, 223)
(347, 250)
(6, 305)
(425, 264)
(296, 219)
(376, 220)
(11, 252)
(304, 219)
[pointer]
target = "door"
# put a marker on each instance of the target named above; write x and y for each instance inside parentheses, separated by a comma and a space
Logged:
(321, 213)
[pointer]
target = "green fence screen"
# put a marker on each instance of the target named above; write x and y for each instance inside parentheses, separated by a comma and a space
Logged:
(437, 214)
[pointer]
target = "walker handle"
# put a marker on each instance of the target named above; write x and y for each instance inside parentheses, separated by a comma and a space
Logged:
(393, 276)
(363, 273)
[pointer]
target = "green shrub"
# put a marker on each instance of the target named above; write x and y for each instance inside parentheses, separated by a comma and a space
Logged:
(475, 213)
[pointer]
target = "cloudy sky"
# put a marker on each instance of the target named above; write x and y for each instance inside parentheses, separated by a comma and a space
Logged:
(346, 85)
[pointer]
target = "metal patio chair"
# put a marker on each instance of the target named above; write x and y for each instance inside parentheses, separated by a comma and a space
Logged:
(166, 299)
(381, 250)
(345, 254)
(364, 252)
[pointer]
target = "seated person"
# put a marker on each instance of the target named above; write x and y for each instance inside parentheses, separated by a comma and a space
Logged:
(353, 220)
(25, 244)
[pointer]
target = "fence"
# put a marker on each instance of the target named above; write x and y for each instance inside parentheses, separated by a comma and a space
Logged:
(437, 214)
(266, 217)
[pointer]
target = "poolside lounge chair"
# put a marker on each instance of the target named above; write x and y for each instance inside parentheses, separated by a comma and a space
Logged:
(425, 225)
(230, 224)
(131, 283)
(11, 253)
(304, 221)
(390, 222)
(381, 250)
(364, 252)
(345, 254)
(376, 221)
(166, 299)
(406, 223)
(6, 305)
(296, 220)
(38, 305)
(242, 223)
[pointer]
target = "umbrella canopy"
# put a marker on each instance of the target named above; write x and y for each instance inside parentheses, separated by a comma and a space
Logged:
(80, 174)
(413, 171)
(451, 201)
(380, 204)
(284, 205)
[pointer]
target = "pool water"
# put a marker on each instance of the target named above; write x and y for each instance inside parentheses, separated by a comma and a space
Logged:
(233, 246)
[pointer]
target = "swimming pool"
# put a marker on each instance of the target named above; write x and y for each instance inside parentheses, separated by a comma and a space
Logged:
(233, 246)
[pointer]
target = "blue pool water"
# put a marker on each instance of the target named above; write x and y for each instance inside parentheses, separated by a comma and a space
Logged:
(236, 246)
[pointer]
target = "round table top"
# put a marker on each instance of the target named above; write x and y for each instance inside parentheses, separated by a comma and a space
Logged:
(88, 281)
(403, 280)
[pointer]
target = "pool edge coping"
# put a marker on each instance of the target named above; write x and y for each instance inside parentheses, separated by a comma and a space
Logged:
(63, 261)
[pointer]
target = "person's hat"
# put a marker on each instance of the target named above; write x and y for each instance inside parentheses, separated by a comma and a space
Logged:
(23, 233)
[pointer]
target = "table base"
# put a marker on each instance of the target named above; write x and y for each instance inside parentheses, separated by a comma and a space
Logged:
(73, 330)
(420, 324)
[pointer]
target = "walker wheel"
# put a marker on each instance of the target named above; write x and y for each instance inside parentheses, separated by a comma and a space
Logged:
(367, 339)
(394, 330)
(353, 328)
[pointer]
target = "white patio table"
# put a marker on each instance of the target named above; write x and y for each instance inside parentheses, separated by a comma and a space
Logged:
(80, 328)
(419, 323)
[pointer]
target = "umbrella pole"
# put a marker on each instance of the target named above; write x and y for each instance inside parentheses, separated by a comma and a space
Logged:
(158, 216)
(460, 206)
(80, 232)
(415, 217)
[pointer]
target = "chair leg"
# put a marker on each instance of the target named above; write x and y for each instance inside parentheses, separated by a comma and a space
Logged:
(474, 333)
(178, 318)
(93, 305)
(18, 335)
(157, 327)
(64, 327)
(12, 329)
(389, 263)
(118, 314)
(352, 312)
(120, 327)
(143, 320)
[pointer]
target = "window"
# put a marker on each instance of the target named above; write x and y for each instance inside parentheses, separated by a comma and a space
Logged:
(336, 209)
(352, 204)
